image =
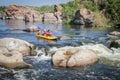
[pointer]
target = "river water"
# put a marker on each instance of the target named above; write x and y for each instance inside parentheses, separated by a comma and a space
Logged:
(107, 68)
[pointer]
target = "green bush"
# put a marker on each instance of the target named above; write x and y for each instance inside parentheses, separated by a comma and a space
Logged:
(70, 8)
(90, 5)
(111, 9)
(45, 9)
(2, 9)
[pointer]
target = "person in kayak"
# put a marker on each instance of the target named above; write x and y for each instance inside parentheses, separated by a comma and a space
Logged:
(47, 33)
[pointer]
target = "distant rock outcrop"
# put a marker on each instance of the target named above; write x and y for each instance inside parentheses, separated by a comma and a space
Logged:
(28, 14)
(21, 12)
(58, 13)
(49, 18)
(83, 16)
(55, 17)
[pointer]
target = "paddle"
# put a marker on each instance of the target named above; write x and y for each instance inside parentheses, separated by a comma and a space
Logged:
(40, 27)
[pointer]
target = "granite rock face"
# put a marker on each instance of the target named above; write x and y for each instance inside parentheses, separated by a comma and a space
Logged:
(12, 51)
(21, 12)
(12, 44)
(13, 59)
(83, 16)
(55, 17)
(74, 57)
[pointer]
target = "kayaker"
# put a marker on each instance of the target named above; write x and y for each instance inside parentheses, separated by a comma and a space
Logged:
(44, 32)
(47, 33)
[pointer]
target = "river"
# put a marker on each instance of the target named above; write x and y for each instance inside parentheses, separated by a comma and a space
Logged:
(107, 68)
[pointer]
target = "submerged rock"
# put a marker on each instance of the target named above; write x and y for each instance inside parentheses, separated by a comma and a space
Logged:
(64, 38)
(74, 57)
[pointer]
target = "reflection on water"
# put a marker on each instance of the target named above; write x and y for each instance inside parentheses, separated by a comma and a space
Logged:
(15, 24)
(46, 40)
(42, 66)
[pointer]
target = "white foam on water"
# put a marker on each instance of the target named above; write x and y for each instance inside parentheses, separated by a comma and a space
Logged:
(115, 56)
(43, 57)
(41, 54)
(102, 51)
(98, 48)
(20, 75)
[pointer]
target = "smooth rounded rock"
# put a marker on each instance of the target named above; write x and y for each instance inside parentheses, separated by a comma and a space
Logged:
(12, 44)
(74, 57)
(13, 60)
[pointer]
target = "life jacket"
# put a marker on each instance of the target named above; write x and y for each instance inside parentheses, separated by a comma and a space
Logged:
(49, 33)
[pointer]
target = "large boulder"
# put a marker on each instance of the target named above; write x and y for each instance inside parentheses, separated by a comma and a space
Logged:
(12, 59)
(74, 57)
(83, 16)
(11, 44)
(21, 12)
(12, 52)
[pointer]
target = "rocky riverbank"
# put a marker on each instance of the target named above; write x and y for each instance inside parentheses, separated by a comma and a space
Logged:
(28, 14)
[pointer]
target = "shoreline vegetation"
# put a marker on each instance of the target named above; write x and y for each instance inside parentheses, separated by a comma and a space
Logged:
(106, 12)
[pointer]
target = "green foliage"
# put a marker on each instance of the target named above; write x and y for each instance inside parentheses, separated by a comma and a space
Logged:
(70, 8)
(69, 12)
(109, 8)
(2, 9)
(90, 5)
(45, 9)
(112, 9)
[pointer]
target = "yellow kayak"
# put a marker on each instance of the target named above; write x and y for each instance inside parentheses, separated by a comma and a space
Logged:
(47, 37)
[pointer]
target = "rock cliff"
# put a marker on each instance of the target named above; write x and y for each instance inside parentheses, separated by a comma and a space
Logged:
(83, 16)
(21, 12)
